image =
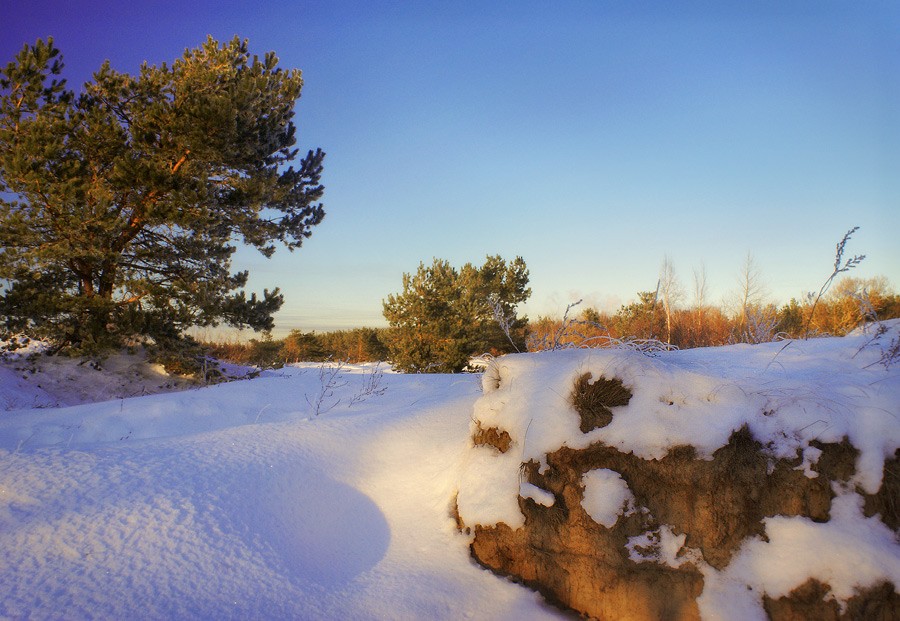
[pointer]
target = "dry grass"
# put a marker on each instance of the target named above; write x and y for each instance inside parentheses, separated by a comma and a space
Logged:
(593, 400)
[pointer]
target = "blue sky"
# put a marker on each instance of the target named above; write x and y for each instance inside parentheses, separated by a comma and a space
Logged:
(591, 138)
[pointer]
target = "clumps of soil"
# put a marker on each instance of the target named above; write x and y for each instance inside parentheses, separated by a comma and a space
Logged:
(491, 436)
(837, 461)
(887, 501)
(716, 503)
(593, 400)
(578, 568)
(809, 601)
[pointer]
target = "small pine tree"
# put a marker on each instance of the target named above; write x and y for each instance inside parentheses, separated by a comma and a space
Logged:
(640, 319)
(443, 316)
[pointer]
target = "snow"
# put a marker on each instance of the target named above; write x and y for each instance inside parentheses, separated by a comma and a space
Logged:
(540, 496)
(69, 381)
(665, 547)
(606, 496)
(787, 393)
(237, 501)
(232, 501)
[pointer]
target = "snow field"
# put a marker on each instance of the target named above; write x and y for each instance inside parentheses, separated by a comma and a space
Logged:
(210, 510)
(235, 501)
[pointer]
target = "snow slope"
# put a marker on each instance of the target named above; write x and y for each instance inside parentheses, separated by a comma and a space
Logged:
(231, 502)
(236, 501)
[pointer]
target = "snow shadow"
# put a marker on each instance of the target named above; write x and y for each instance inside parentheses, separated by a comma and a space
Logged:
(324, 531)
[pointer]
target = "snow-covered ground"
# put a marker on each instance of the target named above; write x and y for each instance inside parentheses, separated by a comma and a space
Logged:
(235, 501)
(239, 501)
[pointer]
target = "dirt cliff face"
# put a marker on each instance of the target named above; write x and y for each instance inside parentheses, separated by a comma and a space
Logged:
(810, 601)
(685, 511)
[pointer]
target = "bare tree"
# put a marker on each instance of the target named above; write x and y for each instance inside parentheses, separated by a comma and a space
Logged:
(671, 293)
(752, 291)
(700, 293)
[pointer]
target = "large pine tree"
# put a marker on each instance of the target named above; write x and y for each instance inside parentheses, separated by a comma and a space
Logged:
(120, 206)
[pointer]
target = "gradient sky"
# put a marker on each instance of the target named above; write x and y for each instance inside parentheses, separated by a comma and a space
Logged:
(591, 138)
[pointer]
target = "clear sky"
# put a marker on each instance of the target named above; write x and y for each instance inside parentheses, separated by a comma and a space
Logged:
(592, 138)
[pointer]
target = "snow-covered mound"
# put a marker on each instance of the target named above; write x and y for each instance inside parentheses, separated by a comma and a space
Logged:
(744, 425)
(31, 379)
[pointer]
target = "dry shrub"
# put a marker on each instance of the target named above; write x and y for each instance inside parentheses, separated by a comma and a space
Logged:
(234, 352)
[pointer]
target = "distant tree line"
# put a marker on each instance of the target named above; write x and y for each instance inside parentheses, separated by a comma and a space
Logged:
(851, 303)
(746, 316)
(357, 345)
(444, 316)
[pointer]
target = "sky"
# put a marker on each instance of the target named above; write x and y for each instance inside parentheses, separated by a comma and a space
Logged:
(593, 139)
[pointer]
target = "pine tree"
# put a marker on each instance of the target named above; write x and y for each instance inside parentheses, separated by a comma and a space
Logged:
(120, 206)
(443, 316)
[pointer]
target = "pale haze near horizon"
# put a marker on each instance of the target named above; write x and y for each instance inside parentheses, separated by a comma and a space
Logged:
(592, 139)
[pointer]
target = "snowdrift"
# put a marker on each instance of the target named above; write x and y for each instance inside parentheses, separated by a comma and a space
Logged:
(739, 482)
(235, 501)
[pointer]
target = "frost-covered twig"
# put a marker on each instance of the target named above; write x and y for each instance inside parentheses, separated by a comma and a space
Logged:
(838, 268)
(330, 379)
(371, 385)
(761, 324)
(11, 403)
(867, 312)
(563, 339)
(258, 414)
(890, 353)
(502, 318)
